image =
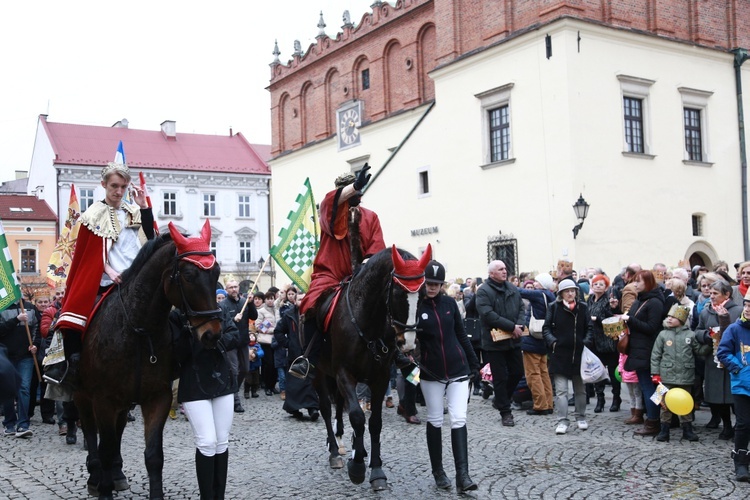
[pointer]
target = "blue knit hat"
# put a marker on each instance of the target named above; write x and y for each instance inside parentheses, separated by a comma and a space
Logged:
(221, 291)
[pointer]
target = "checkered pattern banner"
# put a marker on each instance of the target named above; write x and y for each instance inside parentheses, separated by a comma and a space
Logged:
(298, 241)
(10, 292)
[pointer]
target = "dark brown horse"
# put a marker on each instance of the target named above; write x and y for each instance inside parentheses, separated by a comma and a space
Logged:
(127, 352)
(375, 316)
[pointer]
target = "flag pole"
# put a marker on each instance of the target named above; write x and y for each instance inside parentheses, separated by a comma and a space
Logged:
(31, 342)
(249, 292)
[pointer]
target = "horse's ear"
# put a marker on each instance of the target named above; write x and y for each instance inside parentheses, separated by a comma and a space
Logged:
(206, 232)
(426, 257)
(177, 237)
(398, 261)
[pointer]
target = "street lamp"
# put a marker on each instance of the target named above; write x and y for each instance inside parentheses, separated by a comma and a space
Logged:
(261, 261)
(581, 208)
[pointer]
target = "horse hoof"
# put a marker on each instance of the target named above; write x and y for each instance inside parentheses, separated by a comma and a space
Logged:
(379, 484)
(93, 490)
(106, 497)
(342, 450)
(336, 462)
(356, 471)
(121, 484)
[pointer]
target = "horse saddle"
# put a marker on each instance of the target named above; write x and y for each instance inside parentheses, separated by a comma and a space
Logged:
(327, 305)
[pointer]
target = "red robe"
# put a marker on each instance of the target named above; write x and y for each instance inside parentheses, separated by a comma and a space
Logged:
(333, 262)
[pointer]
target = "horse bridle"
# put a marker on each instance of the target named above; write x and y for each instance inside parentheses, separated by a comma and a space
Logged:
(189, 311)
(378, 347)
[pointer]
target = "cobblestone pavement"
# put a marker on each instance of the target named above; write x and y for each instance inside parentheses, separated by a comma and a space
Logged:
(275, 456)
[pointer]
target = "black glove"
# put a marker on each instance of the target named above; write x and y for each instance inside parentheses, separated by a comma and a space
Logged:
(474, 375)
(362, 178)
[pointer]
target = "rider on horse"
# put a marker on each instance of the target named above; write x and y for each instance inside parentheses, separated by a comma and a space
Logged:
(333, 263)
(111, 235)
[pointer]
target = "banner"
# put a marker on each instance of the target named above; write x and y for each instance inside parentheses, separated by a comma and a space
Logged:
(299, 240)
(10, 292)
(62, 256)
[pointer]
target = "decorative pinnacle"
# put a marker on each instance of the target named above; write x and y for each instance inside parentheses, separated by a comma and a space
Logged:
(276, 52)
(321, 25)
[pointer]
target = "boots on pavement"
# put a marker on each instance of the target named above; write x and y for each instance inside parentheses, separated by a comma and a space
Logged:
(435, 449)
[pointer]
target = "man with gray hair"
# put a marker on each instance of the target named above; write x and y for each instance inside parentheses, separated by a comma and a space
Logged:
(501, 309)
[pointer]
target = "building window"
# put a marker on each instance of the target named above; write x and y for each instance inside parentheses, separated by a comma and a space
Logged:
(695, 125)
(244, 205)
(365, 79)
(245, 255)
(209, 205)
(496, 133)
(170, 203)
(87, 198)
(499, 134)
(697, 225)
(28, 260)
(504, 247)
(423, 181)
(633, 124)
(635, 112)
(212, 247)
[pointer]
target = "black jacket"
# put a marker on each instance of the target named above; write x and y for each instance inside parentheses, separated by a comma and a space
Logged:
(499, 306)
(204, 373)
(446, 351)
(288, 334)
(566, 332)
(232, 307)
(13, 333)
(644, 324)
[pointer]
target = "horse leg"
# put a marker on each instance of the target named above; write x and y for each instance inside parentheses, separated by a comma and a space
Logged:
(321, 386)
(88, 428)
(339, 399)
(118, 477)
(378, 480)
(106, 419)
(356, 465)
(155, 413)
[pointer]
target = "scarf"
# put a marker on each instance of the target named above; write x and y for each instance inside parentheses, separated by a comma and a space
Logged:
(743, 288)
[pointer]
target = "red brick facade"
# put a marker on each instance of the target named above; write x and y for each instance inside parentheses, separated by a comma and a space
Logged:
(401, 44)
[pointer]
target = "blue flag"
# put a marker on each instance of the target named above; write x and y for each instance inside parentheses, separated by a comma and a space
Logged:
(120, 154)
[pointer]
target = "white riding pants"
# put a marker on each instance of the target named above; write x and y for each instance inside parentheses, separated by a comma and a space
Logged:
(457, 395)
(211, 420)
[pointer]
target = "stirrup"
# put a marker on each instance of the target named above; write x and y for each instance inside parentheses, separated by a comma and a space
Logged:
(55, 374)
(300, 367)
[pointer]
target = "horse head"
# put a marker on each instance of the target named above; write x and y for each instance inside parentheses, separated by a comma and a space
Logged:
(408, 275)
(191, 286)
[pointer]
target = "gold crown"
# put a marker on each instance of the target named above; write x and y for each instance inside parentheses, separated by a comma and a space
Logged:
(679, 312)
(116, 168)
(344, 180)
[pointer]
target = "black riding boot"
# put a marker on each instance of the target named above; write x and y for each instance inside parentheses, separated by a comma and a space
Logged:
(616, 402)
(459, 440)
(741, 461)
(599, 403)
(687, 432)
(221, 465)
(72, 345)
(204, 469)
(663, 435)
(301, 366)
(435, 448)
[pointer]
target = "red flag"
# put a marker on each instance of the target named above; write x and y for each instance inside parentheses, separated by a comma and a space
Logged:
(148, 199)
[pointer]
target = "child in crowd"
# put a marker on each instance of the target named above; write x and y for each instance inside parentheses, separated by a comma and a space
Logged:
(630, 381)
(673, 365)
(253, 370)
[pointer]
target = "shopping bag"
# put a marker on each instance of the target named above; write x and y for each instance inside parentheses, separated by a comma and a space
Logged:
(592, 369)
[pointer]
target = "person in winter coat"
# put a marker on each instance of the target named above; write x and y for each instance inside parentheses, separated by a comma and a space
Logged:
(733, 352)
(673, 365)
(605, 348)
(630, 382)
(206, 391)
(447, 362)
(644, 324)
(500, 308)
(255, 360)
(535, 350)
(567, 328)
(714, 319)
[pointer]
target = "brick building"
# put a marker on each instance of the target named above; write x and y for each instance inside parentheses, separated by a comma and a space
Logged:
(515, 108)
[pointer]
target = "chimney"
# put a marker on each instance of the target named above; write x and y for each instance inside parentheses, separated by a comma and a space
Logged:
(230, 131)
(169, 129)
(21, 174)
(121, 124)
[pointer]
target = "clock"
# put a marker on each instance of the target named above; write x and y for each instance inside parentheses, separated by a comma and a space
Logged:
(349, 119)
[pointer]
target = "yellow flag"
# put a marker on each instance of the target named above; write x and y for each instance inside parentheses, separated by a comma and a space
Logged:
(59, 261)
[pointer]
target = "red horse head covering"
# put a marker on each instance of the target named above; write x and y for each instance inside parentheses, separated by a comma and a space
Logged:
(198, 244)
(409, 274)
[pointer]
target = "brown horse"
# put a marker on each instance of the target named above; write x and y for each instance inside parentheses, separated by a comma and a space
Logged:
(127, 352)
(376, 315)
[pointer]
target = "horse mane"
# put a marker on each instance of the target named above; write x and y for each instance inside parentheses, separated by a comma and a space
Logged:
(383, 259)
(146, 252)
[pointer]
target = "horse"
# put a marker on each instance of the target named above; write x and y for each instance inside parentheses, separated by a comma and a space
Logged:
(127, 352)
(375, 315)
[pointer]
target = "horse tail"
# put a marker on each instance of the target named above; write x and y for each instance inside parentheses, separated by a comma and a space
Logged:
(355, 238)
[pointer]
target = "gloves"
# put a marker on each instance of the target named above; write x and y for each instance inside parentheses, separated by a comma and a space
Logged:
(474, 373)
(362, 178)
(656, 379)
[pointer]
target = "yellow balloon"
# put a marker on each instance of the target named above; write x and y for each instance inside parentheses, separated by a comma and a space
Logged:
(679, 401)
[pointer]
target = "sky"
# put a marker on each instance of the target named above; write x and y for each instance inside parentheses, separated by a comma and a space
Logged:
(94, 62)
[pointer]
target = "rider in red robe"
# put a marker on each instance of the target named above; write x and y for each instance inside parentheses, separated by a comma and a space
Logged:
(109, 238)
(333, 262)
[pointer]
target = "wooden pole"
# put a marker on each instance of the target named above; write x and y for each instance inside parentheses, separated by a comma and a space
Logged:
(31, 342)
(250, 292)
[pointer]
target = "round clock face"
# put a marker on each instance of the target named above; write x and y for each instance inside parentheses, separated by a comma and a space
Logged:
(348, 126)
